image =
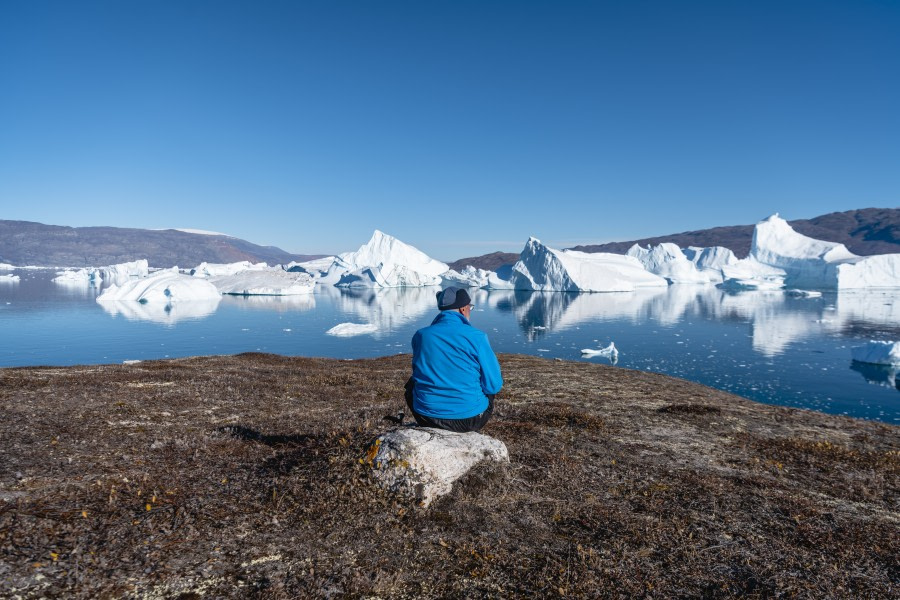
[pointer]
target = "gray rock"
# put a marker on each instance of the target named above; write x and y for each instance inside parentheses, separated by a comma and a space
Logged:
(424, 462)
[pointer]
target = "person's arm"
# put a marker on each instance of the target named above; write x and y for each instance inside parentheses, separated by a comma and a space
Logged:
(491, 379)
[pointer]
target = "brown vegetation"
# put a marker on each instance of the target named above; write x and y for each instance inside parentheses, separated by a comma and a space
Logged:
(241, 477)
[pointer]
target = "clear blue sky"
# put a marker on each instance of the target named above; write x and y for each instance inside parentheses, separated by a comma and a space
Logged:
(460, 127)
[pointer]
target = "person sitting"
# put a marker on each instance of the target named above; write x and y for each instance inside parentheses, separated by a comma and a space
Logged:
(455, 373)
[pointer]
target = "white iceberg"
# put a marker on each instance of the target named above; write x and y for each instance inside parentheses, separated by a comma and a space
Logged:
(877, 353)
(668, 261)
(9, 278)
(271, 282)
(207, 270)
(351, 329)
(163, 287)
(384, 261)
(807, 263)
(6, 267)
(710, 260)
(115, 274)
(468, 277)
(541, 268)
(316, 267)
(609, 352)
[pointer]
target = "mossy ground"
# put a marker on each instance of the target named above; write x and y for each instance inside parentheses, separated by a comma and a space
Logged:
(240, 477)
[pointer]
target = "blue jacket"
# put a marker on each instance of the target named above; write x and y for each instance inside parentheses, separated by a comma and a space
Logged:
(453, 368)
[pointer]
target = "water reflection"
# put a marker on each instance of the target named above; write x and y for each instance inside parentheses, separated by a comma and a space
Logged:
(776, 320)
(878, 374)
(386, 308)
(166, 314)
(295, 303)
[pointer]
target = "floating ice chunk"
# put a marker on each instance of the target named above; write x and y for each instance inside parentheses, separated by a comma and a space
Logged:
(385, 261)
(9, 278)
(6, 267)
(270, 282)
(351, 329)
(803, 293)
(163, 287)
(205, 269)
(668, 261)
(750, 274)
(541, 268)
(877, 353)
(609, 352)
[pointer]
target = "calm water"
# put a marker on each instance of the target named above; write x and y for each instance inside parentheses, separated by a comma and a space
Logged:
(761, 345)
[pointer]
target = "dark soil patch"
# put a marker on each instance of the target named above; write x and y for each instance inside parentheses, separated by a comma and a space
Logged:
(241, 477)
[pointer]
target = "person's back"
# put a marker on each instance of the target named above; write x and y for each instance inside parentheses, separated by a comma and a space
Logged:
(455, 371)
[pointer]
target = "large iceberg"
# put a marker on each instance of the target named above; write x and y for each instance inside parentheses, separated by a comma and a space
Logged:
(384, 262)
(269, 282)
(877, 353)
(668, 261)
(114, 274)
(710, 260)
(780, 256)
(316, 267)
(163, 287)
(541, 268)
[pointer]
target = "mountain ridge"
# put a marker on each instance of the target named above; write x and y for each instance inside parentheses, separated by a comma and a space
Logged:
(37, 244)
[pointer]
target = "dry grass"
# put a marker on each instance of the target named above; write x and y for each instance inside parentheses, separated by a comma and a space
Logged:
(240, 477)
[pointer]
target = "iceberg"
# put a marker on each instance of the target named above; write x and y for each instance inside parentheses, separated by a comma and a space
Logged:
(271, 282)
(609, 352)
(468, 277)
(710, 260)
(9, 278)
(384, 262)
(351, 329)
(541, 268)
(807, 263)
(668, 261)
(115, 274)
(877, 353)
(164, 287)
(6, 267)
(316, 267)
(207, 270)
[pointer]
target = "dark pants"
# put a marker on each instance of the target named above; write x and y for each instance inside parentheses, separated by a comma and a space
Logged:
(456, 425)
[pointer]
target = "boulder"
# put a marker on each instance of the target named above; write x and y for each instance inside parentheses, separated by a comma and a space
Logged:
(424, 462)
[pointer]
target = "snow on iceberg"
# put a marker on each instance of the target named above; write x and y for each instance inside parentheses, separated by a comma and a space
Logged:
(115, 274)
(668, 261)
(384, 261)
(270, 282)
(877, 353)
(351, 329)
(205, 269)
(541, 268)
(163, 287)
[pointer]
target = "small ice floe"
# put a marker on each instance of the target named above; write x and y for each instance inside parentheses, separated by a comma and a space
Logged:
(351, 329)
(877, 353)
(130, 362)
(803, 293)
(609, 352)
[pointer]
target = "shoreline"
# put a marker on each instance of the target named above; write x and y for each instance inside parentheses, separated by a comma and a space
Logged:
(233, 475)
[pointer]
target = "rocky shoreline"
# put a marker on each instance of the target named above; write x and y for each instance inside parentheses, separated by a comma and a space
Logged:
(241, 476)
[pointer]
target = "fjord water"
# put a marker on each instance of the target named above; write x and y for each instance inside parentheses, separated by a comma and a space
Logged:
(766, 346)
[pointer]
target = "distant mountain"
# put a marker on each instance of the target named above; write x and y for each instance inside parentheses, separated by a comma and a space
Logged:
(27, 243)
(865, 232)
(490, 262)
